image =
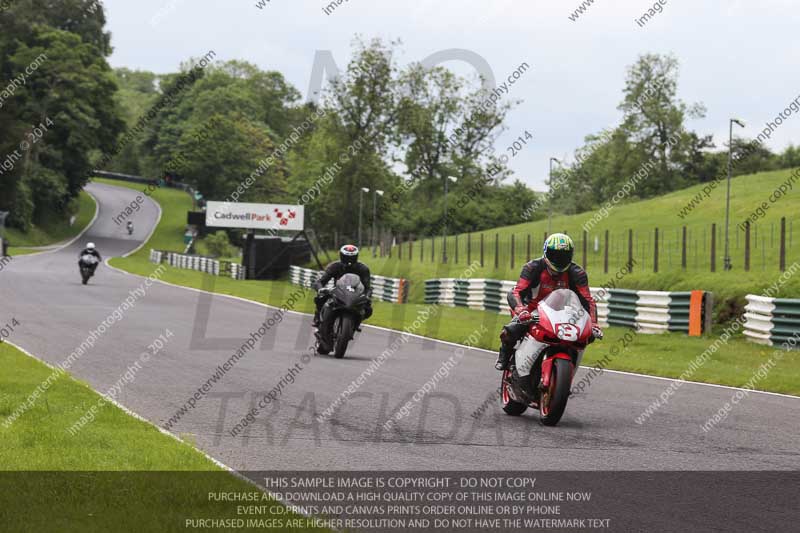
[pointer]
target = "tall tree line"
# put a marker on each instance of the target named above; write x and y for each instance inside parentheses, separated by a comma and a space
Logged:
(58, 108)
(403, 130)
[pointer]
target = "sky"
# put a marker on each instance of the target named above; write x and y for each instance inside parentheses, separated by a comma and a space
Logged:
(737, 57)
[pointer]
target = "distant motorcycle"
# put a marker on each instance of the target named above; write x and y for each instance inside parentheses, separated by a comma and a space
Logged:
(565, 326)
(87, 264)
(341, 315)
(130, 228)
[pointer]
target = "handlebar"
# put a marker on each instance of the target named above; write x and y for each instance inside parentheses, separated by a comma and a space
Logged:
(534, 319)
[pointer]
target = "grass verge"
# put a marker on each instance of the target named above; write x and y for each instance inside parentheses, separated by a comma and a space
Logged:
(667, 355)
(116, 474)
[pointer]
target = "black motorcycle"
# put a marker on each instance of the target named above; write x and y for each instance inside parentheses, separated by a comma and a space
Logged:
(87, 263)
(341, 315)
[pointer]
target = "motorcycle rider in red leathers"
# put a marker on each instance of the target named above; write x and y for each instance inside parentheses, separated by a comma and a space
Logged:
(540, 277)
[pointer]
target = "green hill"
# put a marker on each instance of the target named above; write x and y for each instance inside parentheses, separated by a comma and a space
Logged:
(642, 217)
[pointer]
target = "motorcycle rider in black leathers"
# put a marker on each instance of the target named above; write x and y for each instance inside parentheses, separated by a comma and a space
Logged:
(90, 250)
(348, 264)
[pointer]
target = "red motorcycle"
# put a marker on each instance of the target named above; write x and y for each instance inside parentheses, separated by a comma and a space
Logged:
(564, 326)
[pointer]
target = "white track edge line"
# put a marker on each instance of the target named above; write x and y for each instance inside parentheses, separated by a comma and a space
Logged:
(139, 417)
(461, 345)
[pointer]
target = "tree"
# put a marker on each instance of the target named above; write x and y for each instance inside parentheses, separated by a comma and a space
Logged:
(73, 87)
(751, 157)
(65, 109)
(136, 95)
(655, 119)
(790, 158)
(651, 150)
(361, 110)
(701, 165)
(445, 130)
(220, 158)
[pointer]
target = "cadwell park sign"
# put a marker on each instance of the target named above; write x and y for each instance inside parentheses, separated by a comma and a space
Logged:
(255, 216)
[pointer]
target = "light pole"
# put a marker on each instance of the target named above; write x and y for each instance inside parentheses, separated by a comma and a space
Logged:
(375, 219)
(3, 215)
(550, 197)
(447, 180)
(360, 211)
(727, 260)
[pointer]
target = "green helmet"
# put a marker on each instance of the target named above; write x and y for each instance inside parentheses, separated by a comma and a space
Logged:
(558, 251)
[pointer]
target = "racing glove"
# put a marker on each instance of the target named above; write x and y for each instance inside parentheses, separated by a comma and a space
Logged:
(523, 315)
(597, 333)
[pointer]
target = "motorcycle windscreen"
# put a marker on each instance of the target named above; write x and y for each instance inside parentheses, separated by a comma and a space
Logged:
(563, 316)
(348, 289)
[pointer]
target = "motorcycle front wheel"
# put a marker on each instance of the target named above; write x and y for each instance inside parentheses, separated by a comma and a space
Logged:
(554, 400)
(344, 332)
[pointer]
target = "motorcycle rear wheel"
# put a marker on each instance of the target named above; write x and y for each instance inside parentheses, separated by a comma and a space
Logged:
(554, 400)
(511, 407)
(344, 332)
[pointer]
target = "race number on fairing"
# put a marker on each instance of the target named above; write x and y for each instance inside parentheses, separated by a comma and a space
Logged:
(567, 332)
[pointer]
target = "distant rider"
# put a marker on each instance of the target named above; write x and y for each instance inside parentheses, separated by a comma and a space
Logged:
(129, 225)
(348, 264)
(554, 270)
(90, 250)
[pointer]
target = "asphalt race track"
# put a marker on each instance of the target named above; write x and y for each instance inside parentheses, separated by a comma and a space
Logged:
(598, 431)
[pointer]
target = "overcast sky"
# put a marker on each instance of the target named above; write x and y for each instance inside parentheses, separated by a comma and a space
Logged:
(738, 57)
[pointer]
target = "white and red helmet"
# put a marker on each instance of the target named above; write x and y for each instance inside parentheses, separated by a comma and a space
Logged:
(349, 254)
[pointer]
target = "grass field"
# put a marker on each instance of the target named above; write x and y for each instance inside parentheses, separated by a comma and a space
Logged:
(643, 217)
(418, 263)
(116, 474)
(666, 355)
(52, 231)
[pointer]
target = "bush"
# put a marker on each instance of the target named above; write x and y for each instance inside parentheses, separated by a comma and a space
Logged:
(219, 245)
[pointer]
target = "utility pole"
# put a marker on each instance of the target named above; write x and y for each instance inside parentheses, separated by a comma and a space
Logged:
(360, 211)
(375, 220)
(727, 261)
(550, 199)
(444, 230)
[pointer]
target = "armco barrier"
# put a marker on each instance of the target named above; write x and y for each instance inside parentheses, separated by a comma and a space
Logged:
(384, 289)
(655, 311)
(145, 181)
(484, 294)
(648, 311)
(771, 321)
(198, 263)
